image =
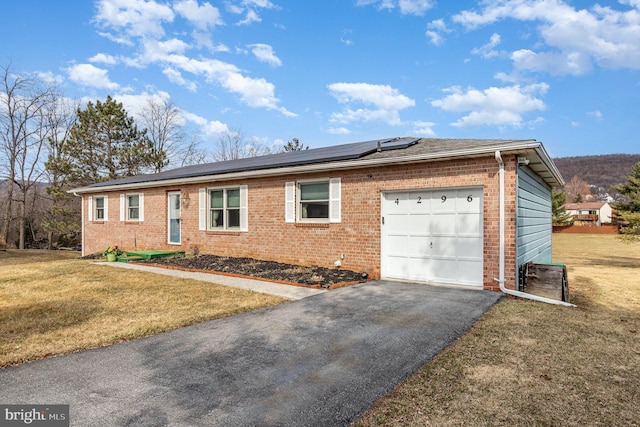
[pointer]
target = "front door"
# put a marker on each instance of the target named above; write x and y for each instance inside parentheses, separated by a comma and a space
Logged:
(174, 217)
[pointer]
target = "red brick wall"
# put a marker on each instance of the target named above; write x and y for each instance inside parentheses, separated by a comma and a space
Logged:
(357, 237)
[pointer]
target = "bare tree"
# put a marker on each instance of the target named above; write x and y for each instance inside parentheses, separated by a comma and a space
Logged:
(61, 213)
(577, 190)
(171, 144)
(233, 145)
(24, 102)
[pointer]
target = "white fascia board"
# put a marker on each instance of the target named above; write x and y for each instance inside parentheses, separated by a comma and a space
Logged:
(517, 147)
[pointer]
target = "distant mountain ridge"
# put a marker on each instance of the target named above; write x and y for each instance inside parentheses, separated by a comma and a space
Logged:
(601, 172)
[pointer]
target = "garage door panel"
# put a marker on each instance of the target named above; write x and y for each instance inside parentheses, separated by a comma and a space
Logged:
(444, 224)
(469, 200)
(444, 270)
(443, 201)
(398, 223)
(469, 224)
(419, 202)
(396, 267)
(418, 268)
(418, 224)
(417, 246)
(397, 245)
(396, 203)
(468, 272)
(470, 248)
(444, 246)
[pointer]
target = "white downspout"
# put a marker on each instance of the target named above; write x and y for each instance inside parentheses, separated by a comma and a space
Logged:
(501, 279)
(81, 221)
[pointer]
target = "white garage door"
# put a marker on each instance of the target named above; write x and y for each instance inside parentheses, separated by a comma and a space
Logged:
(433, 235)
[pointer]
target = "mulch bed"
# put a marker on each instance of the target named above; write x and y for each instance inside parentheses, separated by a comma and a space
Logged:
(316, 277)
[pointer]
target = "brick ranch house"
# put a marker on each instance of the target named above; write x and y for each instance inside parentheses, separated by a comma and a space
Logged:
(456, 211)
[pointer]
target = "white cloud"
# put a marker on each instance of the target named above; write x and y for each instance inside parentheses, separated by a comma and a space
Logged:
(414, 7)
(202, 17)
(494, 106)
(265, 53)
(423, 128)
(339, 131)
(50, 78)
(255, 92)
(156, 50)
(103, 58)
(434, 30)
(406, 7)
(382, 96)
(263, 4)
(175, 77)
(435, 37)
(597, 115)
(138, 18)
(387, 102)
(575, 63)
(210, 128)
(575, 39)
(486, 50)
(89, 75)
(250, 18)
(133, 104)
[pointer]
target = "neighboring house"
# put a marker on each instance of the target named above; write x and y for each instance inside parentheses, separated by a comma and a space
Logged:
(457, 211)
(590, 213)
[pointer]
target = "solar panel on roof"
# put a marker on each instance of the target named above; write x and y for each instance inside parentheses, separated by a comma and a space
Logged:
(281, 160)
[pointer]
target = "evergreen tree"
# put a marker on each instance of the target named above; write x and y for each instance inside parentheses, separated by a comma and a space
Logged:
(104, 144)
(559, 213)
(628, 213)
(295, 145)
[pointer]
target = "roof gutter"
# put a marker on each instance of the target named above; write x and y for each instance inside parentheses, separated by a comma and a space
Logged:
(519, 147)
(546, 159)
(501, 278)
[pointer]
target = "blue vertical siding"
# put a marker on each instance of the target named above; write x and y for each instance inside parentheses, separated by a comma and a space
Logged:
(533, 219)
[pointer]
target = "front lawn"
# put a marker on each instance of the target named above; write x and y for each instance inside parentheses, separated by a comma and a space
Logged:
(530, 363)
(52, 303)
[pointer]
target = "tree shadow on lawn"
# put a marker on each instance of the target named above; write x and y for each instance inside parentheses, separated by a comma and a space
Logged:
(616, 261)
(23, 321)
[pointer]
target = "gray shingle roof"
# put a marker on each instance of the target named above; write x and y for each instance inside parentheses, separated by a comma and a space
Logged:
(384, 150)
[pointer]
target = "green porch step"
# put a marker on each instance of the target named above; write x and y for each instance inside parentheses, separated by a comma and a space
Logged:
(151, 254)
(129, 258)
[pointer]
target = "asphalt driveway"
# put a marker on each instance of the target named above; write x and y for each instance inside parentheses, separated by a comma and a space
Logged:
(319, 361)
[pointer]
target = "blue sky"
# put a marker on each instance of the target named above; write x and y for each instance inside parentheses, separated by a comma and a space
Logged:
(566, 73)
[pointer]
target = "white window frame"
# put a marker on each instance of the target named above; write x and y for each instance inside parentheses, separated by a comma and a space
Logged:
(125, 209)
(93, 208)
(205, 209)
(293, 201)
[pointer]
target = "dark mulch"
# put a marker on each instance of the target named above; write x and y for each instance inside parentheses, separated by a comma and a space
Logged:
(270, 270)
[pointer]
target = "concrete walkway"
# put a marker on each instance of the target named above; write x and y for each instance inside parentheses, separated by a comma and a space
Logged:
(318, 361)
(278, 289)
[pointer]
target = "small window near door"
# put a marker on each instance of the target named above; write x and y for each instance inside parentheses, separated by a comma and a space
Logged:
(133, 207)
(99, 208)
